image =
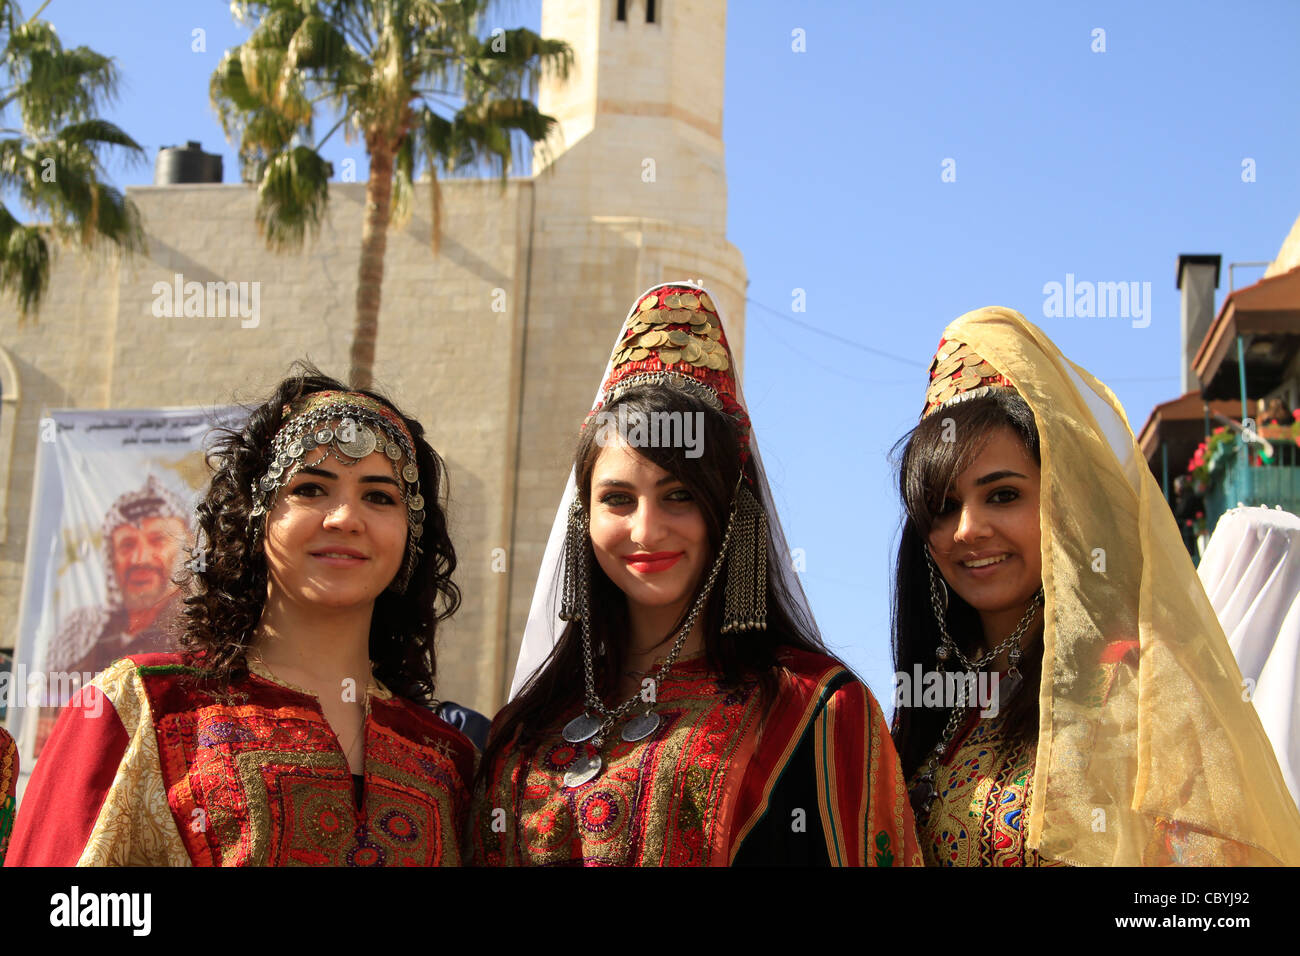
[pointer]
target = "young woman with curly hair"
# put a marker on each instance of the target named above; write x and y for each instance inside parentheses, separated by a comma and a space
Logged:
(293, 727)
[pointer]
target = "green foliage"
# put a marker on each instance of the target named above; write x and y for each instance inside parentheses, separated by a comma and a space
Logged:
(52, 153)
(412, 79)
(292, 195)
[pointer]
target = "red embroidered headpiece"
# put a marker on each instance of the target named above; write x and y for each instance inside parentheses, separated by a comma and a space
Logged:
(957, 373)
(674, 336)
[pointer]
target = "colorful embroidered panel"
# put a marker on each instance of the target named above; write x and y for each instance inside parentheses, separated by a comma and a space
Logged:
(8, 785)
(824, 745)
(658, 802)
(983, 792)
(257, 777)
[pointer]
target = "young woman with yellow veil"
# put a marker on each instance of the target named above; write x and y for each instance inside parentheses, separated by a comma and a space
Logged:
(1037, 545)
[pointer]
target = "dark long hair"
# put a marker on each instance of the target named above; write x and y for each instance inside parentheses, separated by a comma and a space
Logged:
(227, 591)
(929, 464)
(558, 685)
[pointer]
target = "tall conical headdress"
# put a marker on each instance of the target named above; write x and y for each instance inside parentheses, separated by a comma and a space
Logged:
(663, 340)
(673, 335)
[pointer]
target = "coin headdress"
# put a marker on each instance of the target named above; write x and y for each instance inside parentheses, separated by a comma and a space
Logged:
(673, 335)
(1161, 761)
(348, 426)
(958, 373)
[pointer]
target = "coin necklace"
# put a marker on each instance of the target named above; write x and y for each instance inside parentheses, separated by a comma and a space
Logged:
(923, 792)
(588, 728)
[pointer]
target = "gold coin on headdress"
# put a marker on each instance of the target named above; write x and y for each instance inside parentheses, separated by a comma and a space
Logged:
(945, 393)
(678, 337)
(648, 303)
(713, 361)
(707, 302)
(670, 356)
(673, 301)
(713, 332)
(948, 366)
(968, 380)
(972, 360)
(962, 351)
(726, 362)
(689, 301)
(707, 344)
(698, 318)
(679, 316)
(639, 354)
(692, 352)
(985, 370)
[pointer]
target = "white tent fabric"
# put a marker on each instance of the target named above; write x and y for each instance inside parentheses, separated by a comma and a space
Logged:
(1251, 573)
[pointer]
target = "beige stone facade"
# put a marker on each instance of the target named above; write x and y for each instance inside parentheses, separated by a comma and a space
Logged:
(495, 345)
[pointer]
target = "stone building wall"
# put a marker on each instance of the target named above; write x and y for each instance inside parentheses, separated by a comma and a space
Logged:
(501, 391)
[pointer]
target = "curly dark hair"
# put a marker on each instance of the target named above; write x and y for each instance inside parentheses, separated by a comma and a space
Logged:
(226, 591)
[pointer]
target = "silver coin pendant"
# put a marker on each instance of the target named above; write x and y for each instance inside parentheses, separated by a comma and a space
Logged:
(362, 444)
(585, 769)
(580, 728)
(639, 728)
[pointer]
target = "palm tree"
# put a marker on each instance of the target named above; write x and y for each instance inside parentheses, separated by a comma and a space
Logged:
(51, 152)
(393, 72)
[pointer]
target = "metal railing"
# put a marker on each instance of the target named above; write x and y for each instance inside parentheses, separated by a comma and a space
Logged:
(1269, 483)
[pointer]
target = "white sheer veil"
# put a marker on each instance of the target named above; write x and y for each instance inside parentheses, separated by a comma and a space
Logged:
(544, 626)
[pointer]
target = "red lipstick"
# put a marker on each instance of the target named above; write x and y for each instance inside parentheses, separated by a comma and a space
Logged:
(653, 563)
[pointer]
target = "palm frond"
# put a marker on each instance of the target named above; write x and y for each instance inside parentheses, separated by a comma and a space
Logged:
(292, 196)
(24, 262)
(55, 163)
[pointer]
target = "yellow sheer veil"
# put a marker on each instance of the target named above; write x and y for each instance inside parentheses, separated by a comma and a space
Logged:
(1160, 760)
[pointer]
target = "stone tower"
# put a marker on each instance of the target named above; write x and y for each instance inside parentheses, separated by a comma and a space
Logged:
(641, 115)
(632, 193)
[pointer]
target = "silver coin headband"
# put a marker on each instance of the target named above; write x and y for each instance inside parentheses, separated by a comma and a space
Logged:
(360, 432)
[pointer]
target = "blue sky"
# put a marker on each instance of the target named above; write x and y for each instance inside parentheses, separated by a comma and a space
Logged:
(1104, 165)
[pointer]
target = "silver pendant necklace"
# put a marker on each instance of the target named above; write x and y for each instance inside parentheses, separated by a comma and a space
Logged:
(924, 791)
(596, 720)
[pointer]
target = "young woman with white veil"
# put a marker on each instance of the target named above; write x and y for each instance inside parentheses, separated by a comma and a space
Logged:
(1037, 545)
(688, 714)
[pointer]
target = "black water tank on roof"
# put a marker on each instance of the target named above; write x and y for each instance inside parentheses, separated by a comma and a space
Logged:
(188, 164)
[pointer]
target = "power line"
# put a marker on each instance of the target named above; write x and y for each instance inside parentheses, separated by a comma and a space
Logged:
(833, 336)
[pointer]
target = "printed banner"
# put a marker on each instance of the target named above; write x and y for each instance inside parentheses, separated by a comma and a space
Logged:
(112, 514)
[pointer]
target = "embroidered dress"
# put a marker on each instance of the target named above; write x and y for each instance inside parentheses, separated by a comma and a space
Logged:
(8, 785)
(817, 783)
(984, 786)
(982, 800)
(147, 768)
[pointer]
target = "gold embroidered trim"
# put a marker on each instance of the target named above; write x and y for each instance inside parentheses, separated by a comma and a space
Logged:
(135, 826)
